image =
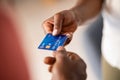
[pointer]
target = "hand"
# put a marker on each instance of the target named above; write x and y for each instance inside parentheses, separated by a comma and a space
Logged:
(66, 65)
(63, 22)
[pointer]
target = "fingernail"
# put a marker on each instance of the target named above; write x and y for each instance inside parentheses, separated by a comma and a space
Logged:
(55, 32)
(69, 35)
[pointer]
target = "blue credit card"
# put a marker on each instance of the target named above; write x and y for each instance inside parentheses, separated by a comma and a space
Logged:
(51, 42)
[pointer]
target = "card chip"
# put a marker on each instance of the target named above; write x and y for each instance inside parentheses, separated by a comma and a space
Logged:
(51, 42)
(47, 46)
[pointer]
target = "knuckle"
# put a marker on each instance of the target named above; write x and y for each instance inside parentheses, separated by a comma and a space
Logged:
(73, 56)
(58, 14)
(44, 23)
(58, 21)
(60, 55)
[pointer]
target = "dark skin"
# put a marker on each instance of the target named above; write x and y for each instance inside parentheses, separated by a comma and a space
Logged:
(66, 65)
(66, 22)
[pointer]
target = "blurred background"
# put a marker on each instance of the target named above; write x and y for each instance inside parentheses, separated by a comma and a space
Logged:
(30, 14)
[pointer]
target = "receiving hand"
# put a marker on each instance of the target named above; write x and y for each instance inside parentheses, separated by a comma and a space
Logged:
(66, 65)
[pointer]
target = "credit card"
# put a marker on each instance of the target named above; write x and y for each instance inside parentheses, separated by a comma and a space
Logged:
(51, 42)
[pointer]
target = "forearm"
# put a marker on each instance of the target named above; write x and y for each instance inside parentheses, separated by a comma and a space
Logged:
(86, 9)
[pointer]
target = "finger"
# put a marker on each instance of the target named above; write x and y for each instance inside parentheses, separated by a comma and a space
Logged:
(49, 60)
(67, 41)
(48, 25)
(69, 35)
(50, 68)
(60, 54)
(58, 19)
(73, 56)
(59, 50)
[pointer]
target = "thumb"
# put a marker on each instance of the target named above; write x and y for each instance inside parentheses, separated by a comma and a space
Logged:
(60, 54)
(61, 48)
(58, 19)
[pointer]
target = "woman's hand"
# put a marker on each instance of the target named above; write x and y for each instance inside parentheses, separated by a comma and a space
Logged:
(63, 22)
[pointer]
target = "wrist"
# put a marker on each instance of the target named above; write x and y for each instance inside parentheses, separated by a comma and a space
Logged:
(86, 10)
